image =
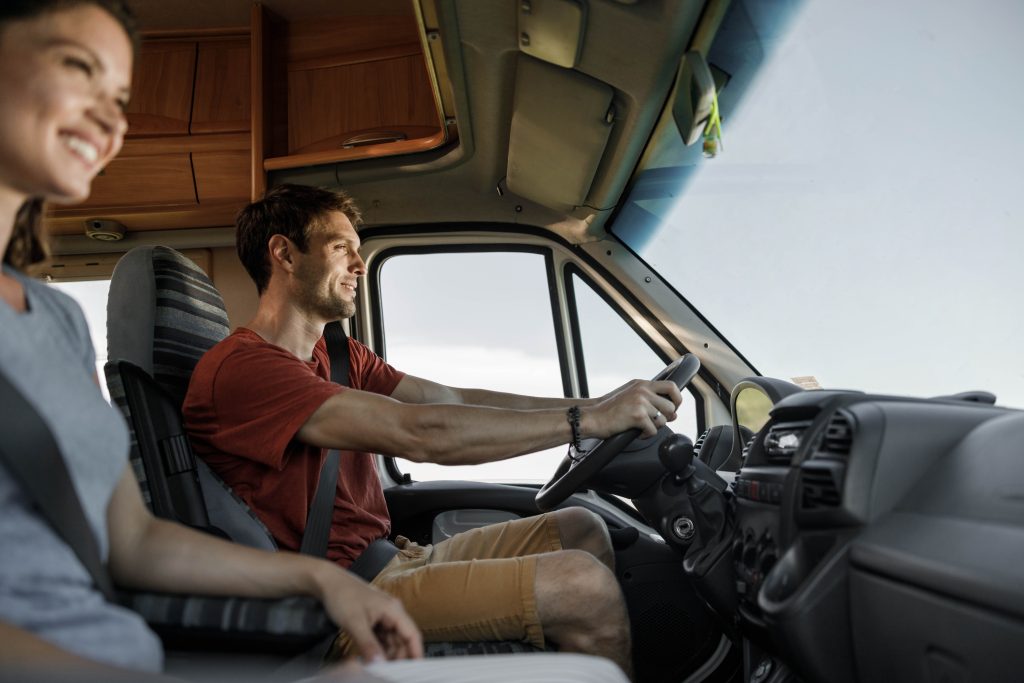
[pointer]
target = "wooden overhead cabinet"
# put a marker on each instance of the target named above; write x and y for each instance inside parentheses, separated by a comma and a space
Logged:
(214, 109)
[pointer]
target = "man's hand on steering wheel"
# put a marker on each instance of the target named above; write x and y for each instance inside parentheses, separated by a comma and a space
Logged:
(635, 410)
(646, 405)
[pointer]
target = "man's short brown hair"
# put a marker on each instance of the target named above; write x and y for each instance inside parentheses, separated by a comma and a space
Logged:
(289, 210)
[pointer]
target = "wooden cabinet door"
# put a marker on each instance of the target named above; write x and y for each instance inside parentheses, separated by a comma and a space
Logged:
(161, 100)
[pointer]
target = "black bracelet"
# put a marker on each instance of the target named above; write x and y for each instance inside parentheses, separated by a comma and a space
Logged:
(572, 416)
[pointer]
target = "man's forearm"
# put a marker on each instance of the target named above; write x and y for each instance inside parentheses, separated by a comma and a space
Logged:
(475, 434)
(497, 399)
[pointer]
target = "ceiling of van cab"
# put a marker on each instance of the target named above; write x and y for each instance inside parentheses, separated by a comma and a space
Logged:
(536, 143)
(630, 51)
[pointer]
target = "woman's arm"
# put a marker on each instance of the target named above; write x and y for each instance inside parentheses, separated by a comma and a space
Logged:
(26, 656)
(154, 554)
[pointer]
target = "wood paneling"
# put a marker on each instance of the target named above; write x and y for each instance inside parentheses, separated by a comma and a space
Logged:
(212, 142)
(161, 99)
(222, 175)
(144, 181)
(221, 102)
(212, 109)
(143, 218)
(326, 38)
(393, 92)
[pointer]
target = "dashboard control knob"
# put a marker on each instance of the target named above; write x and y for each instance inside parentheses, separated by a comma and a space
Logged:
(676, 454)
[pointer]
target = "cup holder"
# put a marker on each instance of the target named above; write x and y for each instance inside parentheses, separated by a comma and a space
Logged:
(792, 569)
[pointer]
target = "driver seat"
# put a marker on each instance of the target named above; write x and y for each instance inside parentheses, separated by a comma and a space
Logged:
(164, 313)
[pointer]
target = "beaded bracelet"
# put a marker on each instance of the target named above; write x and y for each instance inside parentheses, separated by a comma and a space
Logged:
(572, 416)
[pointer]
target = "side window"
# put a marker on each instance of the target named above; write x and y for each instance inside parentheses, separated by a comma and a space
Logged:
(91, 295)
(613, 353)
(480, 319)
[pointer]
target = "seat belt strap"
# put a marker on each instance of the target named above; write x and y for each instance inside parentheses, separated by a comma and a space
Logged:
(321, 509)
(33, 458)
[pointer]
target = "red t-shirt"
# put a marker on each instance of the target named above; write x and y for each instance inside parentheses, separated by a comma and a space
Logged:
(245, 403)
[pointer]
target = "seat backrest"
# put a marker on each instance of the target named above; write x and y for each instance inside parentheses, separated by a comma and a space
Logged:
(163, 314)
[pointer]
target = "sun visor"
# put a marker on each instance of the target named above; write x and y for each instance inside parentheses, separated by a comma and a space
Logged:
(561, 121)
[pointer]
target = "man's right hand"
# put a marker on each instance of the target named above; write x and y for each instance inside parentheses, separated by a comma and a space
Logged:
(640, 404)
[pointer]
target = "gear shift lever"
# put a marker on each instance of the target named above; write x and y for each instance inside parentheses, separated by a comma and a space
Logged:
(676, 454)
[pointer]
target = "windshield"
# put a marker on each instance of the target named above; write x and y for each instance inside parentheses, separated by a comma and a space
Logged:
(862, 223)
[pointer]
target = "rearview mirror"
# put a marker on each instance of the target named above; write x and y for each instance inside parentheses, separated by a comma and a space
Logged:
(752, 407)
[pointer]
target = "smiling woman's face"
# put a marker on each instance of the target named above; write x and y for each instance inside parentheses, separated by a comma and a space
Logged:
(65, 77)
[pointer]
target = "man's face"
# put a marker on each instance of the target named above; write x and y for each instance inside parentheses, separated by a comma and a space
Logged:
(327, 276)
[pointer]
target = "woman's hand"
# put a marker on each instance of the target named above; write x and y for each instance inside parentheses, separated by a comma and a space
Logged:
(376, 622)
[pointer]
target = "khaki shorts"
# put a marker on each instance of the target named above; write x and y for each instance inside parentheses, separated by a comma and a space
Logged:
(477, 585)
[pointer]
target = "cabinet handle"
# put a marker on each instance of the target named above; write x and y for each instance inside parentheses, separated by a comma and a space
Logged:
(372, 138)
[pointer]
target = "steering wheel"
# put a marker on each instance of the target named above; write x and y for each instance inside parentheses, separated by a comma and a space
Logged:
(572, 473)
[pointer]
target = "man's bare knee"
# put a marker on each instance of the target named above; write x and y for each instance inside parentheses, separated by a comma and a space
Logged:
(581, 529)
(570, 583)
(581, 607)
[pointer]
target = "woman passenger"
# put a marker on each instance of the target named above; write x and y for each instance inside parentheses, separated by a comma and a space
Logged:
(65, 70)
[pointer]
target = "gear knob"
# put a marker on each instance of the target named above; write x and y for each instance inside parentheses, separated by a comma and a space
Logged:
(676, 454)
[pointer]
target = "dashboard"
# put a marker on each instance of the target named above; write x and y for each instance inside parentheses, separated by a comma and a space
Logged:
(875, 538)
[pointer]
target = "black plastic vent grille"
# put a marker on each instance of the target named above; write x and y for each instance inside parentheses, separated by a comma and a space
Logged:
(838, 438)
(783, 440)
(747, 446)
(699, 443)
(820, 486)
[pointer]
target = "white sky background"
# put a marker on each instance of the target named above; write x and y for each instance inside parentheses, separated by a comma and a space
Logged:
(864, 221)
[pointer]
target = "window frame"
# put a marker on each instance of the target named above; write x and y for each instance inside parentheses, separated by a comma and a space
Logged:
(562, 259)
(570, 270)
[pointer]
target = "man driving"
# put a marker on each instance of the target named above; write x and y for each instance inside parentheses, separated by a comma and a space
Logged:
(261, 410)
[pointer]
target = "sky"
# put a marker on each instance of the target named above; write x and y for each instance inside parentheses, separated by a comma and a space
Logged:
(864, 221)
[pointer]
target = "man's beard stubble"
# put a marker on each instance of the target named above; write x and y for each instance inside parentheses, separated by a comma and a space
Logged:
(324, 303)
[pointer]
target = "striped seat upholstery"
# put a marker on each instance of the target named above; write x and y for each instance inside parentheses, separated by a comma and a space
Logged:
(163, 314)
(284, 624)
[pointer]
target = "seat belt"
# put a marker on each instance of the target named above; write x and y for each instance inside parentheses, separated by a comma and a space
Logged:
(321, 508)
(32, 456)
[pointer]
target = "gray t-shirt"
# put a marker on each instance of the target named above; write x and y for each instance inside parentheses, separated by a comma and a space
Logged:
(47, 354)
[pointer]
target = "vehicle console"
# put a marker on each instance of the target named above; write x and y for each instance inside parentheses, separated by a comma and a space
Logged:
(874, 538)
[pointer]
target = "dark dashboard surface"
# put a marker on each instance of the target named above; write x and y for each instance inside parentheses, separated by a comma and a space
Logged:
(880, 537)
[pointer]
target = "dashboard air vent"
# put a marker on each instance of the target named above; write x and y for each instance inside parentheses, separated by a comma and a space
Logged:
(747, 446)
(783, 440)
(699, 443)
(820, 485)
(838, 438)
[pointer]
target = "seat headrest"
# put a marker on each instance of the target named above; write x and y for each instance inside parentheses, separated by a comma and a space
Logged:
(163, 314)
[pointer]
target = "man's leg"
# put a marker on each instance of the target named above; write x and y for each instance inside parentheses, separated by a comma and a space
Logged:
(574, 528)
(464, 589)
(581, 607)
(581, 529)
